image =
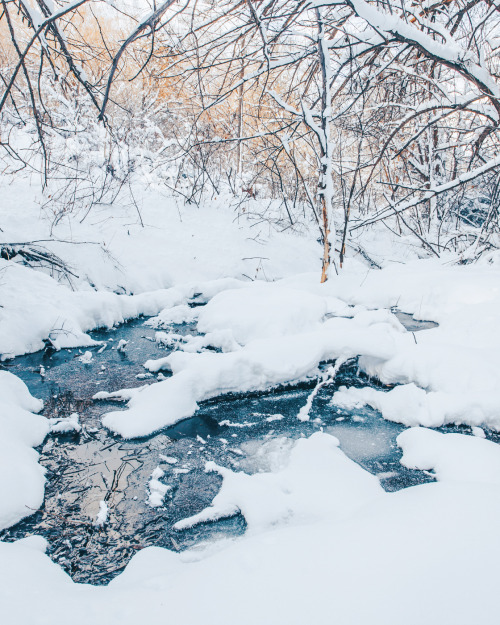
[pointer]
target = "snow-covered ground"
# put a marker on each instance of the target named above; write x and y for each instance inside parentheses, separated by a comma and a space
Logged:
(324, 542)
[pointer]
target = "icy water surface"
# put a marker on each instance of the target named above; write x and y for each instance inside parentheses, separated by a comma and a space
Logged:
(92, 466)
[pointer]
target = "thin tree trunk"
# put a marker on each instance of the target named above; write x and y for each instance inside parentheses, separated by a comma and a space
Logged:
(325, 178)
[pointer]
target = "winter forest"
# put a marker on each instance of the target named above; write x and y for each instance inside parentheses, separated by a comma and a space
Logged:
(249, 306)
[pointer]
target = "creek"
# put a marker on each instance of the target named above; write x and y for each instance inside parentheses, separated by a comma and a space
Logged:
(88, 467)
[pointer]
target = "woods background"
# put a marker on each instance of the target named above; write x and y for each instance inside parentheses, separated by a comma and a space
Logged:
(350, 115)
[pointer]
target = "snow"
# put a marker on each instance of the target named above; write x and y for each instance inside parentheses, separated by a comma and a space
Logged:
(425, 554)
(327, 378)
(324, 543)
(478, 432)
(275, 417)
(102, 516)
(122, 344)
(175, 315)
(157, 490)
(168, 459)
(63, 425)
(261, 364)
(446, 374)
(164, 264)
(411, 405)
(450, 51)
(450, 373)
(318, 482)
(452, 457)
(22, 479)
(86, 358)
(62, 316)
(319, 526)
(262, 311)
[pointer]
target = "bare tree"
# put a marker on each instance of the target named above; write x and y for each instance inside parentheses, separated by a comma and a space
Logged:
(360, 112)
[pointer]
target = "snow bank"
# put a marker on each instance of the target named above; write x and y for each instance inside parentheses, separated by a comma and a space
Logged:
(111, 251)
(462, 355)
(413, 406)
(448, 374)
(452, 457)
(318, 482)
(451, 373)
(262, 311)
(35, 308)
(22, 479)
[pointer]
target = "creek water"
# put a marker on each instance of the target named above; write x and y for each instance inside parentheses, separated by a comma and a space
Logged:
(91, 466)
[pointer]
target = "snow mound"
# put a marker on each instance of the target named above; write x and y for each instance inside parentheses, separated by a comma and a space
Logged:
(22, 479)
(319, 481)
(413, 406)
(452, 457)
(86, 358)
(63, 317)
(262, 311)
(173, 316)
(102, 516)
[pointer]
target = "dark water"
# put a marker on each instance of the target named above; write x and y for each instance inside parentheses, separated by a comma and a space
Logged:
(411, 324)
(91, 466)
